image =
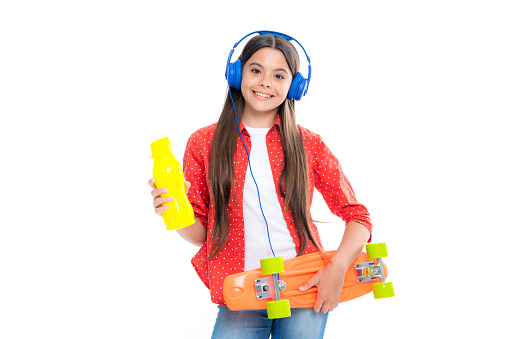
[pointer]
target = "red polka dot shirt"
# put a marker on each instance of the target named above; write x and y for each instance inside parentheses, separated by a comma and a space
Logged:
(325, 174)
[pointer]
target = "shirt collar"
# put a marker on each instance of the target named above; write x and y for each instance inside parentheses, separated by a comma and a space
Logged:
(277, 123)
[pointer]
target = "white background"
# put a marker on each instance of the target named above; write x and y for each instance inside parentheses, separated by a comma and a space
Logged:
(409, 95)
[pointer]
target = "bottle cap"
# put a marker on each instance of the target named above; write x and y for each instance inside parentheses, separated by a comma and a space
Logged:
(161, 147)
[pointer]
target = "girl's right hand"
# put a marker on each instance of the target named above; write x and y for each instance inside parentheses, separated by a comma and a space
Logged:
(158, 200)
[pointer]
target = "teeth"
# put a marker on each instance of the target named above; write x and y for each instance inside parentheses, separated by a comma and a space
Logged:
(263, 95)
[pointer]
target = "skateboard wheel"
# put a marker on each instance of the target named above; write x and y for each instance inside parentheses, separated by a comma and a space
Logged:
(376, 250)
(272, 265)
(278, 309)
(383, 290)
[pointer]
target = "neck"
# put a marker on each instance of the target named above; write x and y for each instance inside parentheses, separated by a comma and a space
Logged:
(259, 119)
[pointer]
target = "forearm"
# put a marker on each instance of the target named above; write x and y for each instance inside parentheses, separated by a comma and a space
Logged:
(354, 239)
(195, 234)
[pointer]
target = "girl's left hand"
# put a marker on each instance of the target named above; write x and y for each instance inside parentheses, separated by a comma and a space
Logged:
(329, 282)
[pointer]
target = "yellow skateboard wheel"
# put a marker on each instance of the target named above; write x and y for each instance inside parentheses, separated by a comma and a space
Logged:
(376, 251)
(278, 309)
(383, 290)
(272, 265)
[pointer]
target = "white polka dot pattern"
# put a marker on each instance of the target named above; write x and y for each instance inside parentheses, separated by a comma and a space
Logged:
(325, 174)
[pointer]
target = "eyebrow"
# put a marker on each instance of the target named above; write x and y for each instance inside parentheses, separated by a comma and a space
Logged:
(276, 70)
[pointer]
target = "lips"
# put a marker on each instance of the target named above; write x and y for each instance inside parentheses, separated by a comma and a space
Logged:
(261, 95)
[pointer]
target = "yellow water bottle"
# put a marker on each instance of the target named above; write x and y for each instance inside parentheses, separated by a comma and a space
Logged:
(168, 173)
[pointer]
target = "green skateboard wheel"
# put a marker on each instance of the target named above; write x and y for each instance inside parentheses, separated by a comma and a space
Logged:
(383, 290)
(376, 250)
(278, 309)
(272, 265)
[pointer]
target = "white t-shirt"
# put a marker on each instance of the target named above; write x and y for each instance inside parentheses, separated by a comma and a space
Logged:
(256, 239)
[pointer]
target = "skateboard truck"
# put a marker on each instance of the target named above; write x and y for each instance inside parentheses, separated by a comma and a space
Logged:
(369, 271)
(262, 287)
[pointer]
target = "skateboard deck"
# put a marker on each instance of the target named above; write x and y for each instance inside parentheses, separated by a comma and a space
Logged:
(251, 290)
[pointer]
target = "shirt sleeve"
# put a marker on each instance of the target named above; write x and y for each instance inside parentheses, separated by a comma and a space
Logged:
(194, 171)
(335, 188)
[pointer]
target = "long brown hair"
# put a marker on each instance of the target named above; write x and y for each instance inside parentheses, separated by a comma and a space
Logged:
(293, 183)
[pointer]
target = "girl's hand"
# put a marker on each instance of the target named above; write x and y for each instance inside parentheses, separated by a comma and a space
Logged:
(158, 200)
(329, 282)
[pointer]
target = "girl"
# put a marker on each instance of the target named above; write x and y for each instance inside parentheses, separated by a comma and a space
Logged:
(288, 162)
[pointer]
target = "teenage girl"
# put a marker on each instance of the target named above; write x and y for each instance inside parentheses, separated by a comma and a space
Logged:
(287, 162)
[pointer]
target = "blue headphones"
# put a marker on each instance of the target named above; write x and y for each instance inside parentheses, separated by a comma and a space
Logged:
(299, 85)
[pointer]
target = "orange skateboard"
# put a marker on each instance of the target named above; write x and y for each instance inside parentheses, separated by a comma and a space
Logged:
(254, 289)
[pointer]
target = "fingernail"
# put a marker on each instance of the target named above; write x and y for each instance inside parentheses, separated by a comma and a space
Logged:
(165, 190)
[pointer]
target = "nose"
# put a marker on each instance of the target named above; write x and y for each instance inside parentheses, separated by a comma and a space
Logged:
(265, 82)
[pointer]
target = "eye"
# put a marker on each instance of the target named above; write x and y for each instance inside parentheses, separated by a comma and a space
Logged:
(255, 71)
(279, 76)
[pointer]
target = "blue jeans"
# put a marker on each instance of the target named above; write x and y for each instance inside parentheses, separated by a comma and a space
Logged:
(254, 324)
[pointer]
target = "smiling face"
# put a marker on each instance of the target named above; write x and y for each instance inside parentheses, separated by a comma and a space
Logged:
(266, 79)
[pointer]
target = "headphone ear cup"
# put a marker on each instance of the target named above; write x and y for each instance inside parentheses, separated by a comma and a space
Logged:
(230, 74)
(298, 87)
(234, 74)
(303, 89)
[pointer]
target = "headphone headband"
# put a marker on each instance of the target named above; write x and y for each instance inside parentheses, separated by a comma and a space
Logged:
(299, 84)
